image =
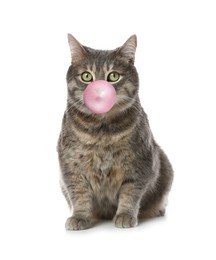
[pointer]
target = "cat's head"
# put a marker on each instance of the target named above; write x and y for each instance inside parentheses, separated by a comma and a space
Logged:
(115, 66)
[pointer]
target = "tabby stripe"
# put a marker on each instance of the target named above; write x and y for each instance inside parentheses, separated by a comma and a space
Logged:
(128, 181)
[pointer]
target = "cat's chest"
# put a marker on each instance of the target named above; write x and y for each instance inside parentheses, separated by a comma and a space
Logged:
(103, 168)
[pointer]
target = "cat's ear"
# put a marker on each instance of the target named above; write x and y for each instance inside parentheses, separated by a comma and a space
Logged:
(78, 52)
(127, 51)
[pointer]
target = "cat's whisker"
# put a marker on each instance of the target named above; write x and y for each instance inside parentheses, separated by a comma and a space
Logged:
(74, 103)
(129, 102)
(120, 103)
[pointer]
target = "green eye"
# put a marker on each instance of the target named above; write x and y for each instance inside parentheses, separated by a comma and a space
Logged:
(86, 76)
(113, 76)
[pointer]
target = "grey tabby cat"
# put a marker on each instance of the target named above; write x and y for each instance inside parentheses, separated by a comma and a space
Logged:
(111, 166)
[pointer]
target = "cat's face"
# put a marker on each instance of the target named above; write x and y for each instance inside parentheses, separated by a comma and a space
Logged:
(116, 67)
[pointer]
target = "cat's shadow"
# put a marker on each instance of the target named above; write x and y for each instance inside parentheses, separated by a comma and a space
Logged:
(108, 224)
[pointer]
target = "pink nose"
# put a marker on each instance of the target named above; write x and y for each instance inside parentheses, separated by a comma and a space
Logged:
(99, 96)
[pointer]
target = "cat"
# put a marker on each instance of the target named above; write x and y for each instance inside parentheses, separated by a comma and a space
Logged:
(111, 166)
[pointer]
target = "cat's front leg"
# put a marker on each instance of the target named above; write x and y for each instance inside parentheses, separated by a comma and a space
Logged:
(81, 197)
(128, 206)
(82, 217)
(78, 223)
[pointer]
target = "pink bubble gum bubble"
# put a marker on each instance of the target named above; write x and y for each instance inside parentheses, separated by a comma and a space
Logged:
(99, 96)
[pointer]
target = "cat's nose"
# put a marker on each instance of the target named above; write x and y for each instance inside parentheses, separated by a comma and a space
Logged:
(99, 96)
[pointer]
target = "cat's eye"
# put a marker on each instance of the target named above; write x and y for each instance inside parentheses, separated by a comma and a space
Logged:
(113, 76)
(87, 76)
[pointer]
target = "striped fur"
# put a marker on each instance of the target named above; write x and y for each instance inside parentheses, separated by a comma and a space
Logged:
(111, 167)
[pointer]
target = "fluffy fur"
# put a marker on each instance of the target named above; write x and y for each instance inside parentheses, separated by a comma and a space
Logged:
(111, 166)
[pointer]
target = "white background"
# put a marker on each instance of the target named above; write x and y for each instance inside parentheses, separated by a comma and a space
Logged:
(176, 60)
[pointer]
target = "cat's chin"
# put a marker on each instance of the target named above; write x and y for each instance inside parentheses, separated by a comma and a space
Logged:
(116, 111)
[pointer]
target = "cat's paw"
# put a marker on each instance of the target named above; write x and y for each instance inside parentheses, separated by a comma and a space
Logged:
(77, 223)
(125, 221)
